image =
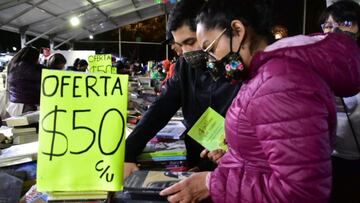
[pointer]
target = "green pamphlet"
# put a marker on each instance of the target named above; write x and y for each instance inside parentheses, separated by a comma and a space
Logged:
(209, 130)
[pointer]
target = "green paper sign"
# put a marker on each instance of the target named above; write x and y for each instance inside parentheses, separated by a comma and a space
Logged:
(101, 63)
(82, 131)
(209, 130)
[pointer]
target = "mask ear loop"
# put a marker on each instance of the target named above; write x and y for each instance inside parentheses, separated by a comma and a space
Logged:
(231, 50)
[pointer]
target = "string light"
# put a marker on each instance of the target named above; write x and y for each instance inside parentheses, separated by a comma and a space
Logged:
(279, 31)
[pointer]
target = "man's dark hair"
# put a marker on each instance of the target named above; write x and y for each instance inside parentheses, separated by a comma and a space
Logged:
(254, 13)
(184, 13)
(341, 11)
(56, 60)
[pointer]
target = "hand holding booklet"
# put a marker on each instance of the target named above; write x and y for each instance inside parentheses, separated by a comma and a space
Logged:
(209, 130)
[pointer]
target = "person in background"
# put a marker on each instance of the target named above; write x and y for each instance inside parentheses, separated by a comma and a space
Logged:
(82, 66)
(281, 126)
(169, 70)
(24, 78)
(74, 66)
(56, 61)
(192, 88)
(344, 16)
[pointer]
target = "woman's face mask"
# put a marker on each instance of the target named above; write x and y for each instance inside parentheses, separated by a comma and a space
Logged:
(230, 66)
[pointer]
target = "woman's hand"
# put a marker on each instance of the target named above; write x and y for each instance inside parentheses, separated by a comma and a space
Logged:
(214, 155)
(191, 189)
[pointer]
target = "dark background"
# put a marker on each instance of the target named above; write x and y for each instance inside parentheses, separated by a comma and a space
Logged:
(289, 13)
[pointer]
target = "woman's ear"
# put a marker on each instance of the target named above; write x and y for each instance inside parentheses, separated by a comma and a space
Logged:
(238, 28)
(239, 32)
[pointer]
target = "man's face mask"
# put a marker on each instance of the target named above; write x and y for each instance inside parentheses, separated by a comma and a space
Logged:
(230, 66)
(196, 59)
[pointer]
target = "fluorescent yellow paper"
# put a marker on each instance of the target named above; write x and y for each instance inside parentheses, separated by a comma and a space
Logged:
(101, 63)
(209, 130)
(81, 131)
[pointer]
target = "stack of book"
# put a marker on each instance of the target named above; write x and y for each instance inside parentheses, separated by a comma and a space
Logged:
(167, 151)
(23, 135)
(18, 154)
(24, 127)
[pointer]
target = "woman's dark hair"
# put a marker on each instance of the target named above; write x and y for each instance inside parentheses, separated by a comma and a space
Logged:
(27, 54)
(342, 11)
(76, 62)
(83, 62)
(184, 13)
(254, 13)
(56, 60)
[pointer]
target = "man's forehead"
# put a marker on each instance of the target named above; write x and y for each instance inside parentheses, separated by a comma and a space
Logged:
(182, 34)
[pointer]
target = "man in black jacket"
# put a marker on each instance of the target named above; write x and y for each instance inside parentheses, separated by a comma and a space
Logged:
(191, 88)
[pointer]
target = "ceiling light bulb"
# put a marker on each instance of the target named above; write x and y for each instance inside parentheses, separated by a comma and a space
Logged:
(75, 21)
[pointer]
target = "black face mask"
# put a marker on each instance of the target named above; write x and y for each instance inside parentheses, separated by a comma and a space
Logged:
(196, 59)
(231, 66)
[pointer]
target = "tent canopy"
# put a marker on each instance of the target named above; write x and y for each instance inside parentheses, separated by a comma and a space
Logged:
(50, 18)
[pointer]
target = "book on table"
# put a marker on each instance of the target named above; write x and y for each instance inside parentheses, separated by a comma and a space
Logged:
(164, 151)
(18, 154)
(148, 184)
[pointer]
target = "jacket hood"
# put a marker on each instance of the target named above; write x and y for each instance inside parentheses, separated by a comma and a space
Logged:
(334, 57)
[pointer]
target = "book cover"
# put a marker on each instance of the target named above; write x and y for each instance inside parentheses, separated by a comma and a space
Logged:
(173, 130)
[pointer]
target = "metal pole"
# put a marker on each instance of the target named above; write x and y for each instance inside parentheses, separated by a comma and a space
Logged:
(38, 37)
(52, 42)
(304, 18)
(74, 36)
(23, 36)
(120, 54)
(166, 28)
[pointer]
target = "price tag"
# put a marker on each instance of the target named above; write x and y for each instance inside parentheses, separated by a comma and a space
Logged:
(101, 63)
(81, 131)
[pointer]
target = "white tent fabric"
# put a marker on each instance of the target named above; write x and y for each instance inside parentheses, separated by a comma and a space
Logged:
(329, 2)
(50, 18)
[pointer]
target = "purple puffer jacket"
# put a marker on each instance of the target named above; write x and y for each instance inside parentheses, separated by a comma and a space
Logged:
(281, 126)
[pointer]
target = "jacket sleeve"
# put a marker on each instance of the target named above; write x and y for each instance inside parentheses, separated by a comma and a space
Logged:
(293, 128)
(156, 117)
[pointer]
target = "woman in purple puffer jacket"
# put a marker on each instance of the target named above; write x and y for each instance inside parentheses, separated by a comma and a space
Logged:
(280, 128)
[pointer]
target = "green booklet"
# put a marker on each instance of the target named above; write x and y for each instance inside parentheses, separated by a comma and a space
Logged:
(209, 130)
